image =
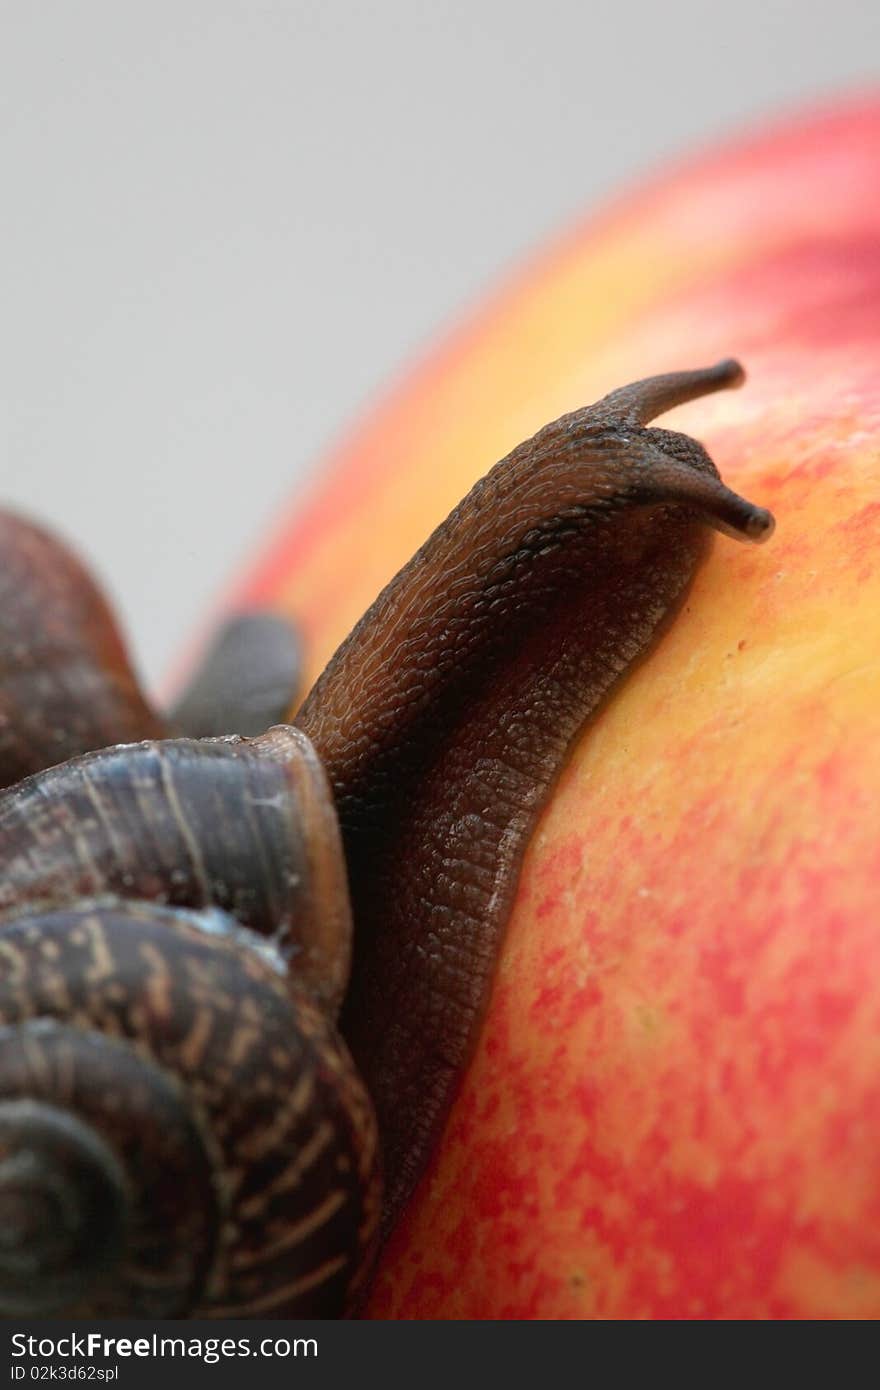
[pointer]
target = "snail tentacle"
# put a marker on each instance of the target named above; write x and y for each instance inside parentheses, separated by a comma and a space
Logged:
(248, 678)
(444, 719)
(642, 401)
(177, 930)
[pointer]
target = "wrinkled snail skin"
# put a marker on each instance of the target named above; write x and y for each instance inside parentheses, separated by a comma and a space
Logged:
(444, 719)
(182, 1130)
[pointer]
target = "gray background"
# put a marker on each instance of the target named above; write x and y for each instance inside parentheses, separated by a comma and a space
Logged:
(226, 226)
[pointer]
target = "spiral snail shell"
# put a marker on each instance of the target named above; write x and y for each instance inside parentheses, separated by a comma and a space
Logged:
(182, 1130)
(173, 952)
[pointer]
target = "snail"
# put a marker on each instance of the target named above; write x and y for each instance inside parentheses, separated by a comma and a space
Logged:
(183, 1130)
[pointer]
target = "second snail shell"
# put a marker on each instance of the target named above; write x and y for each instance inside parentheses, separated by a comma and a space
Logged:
(183, 1130)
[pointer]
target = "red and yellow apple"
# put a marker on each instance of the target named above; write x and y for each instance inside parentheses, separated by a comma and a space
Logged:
(674, 1106)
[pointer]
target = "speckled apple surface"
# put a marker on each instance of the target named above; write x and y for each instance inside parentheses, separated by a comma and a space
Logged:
(674, 1107)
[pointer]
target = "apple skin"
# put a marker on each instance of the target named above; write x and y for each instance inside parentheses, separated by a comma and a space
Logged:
(673, 1110)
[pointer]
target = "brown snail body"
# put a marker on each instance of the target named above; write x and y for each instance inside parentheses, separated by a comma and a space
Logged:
(441, 723)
